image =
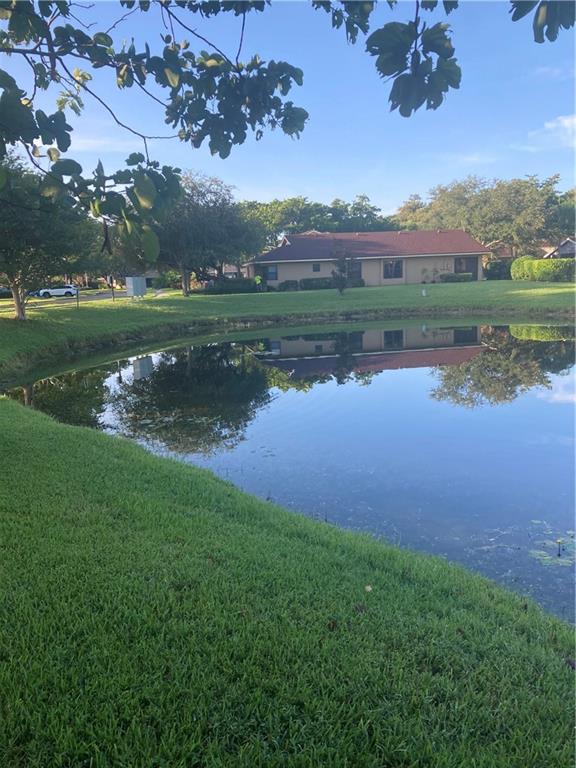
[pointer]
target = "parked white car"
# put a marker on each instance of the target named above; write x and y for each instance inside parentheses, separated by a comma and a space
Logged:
(58, 290)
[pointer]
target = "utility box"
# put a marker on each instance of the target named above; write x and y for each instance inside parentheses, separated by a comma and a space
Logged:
(135, 286)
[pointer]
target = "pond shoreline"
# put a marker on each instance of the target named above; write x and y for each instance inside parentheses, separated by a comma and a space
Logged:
(71, 349)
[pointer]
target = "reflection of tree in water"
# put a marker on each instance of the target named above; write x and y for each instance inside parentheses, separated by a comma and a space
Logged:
(506, 368)
(195, 400)
(77, 398)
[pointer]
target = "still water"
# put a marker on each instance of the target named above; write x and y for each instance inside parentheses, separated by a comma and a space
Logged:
(458, 441)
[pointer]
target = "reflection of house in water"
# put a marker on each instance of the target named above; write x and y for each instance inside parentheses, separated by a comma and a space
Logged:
(142, 367)
(373, 350)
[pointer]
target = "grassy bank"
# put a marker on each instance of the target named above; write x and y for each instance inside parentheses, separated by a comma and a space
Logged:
(57, 329)
(154, 615)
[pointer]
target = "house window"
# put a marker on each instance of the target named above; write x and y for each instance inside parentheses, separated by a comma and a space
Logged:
(393, 339)
(466, 264)
(315, 267)
(393, 269)
(270, 272)
(465, 335)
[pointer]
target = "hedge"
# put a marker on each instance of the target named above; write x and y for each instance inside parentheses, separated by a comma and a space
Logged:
(543, 270)
(455, 277)
(288, 285)
(521, 268)
(543, 332)
(233, 285)
(314, 283)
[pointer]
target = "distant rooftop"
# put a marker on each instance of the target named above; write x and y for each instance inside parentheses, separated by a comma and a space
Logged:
(318, 246)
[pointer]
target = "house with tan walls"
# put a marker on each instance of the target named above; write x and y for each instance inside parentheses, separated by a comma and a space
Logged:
(378, 258)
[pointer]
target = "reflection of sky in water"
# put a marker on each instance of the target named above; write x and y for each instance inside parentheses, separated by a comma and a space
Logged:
(491, 487)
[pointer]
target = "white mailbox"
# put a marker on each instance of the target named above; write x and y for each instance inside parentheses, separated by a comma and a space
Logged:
(135, 286)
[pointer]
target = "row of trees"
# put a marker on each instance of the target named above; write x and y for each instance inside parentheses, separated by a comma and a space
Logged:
(42, 237)
(298, 214)
(516, 214)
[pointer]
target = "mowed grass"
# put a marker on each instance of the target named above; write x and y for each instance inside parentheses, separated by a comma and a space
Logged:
(56, 325)
(153, 615)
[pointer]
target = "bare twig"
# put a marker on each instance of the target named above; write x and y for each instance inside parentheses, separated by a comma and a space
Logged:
(121, 19)
(198, 35)
(110, 111)
(241, 39)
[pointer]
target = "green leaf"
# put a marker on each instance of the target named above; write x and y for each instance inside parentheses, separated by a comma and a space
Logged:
(6, 80)
(135, 158)
(53, 154)
(150, 244)
(66, 168)
(3, 176)
(172, 77)
(391, 44)
(521, 8)
(144, 190)
(451, 72)
(436, 39)
(101, 38)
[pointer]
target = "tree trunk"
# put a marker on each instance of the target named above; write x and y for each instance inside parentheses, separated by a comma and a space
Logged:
(185, 275)
(28, 393)
(19, 306)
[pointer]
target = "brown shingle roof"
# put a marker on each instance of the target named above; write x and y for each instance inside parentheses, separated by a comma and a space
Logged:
(322, 245)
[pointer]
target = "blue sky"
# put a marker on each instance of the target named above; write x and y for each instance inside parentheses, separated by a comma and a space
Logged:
(513, 116)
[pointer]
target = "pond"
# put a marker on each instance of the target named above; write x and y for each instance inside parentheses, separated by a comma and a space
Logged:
(457, 441)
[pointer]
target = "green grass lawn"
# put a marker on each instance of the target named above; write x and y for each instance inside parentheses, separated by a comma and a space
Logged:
(153, 615)
(55, 326)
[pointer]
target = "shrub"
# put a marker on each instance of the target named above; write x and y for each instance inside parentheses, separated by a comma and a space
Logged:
(455, 277)
(543, 270)
(497, 269)
(288, 285)
(554, 270)
(315, 283)
(543, 332)
(233, 285)
(521, 268)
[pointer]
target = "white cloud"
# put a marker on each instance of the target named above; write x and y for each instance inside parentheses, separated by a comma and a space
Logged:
(563, 390)
(559, 133)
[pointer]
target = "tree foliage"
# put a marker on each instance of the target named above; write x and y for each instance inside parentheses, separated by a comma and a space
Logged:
(517, 213)
(298, 214)
(39, 237)
(208, 94)
(207, 228)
